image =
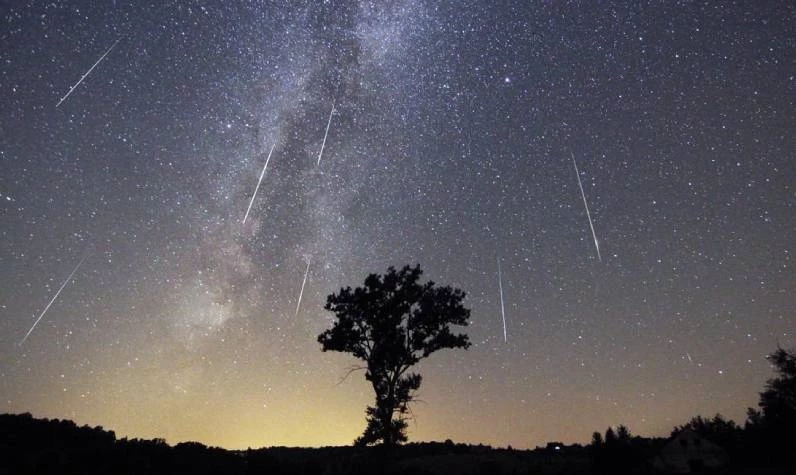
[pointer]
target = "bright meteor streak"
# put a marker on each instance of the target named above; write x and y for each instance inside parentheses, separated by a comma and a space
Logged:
(326, 134)
(502, 307)
(258, 184)
(588, 215)
(71, 89)
(301, 294)
(53, 300)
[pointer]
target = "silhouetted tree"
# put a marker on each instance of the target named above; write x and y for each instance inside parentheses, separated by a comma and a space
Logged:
(610, 436)
(623, 434)
(778, 401)
(391, 324)
(619, 452)
(774, 425)
(719, 430)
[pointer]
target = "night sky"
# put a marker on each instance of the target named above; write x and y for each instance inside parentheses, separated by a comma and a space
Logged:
(451, 143)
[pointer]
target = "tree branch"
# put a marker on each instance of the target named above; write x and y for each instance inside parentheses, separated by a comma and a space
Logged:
(348, 373)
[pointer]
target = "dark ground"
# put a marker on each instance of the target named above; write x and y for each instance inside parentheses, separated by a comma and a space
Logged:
(41, 446)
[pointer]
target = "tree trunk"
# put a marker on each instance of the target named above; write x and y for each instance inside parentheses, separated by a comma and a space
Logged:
(386, 415)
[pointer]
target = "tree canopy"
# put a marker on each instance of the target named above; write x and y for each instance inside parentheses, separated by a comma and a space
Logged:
(775, 422)
(391, 323)
(778, 401)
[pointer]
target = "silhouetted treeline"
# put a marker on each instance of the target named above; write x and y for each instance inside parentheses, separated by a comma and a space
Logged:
(714, 445)
(33, 446)
(765, 445)
(41, 446)
(619, 452)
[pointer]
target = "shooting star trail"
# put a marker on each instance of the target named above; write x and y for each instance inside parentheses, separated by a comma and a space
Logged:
(502, 307)
(301, 294)
(71, 89)
(53, 300)
(588, 215)
(689, 357)
(326, 134)
(258, 184)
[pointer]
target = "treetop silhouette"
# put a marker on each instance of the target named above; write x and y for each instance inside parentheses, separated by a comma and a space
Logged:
(775, 423)
(391, 323)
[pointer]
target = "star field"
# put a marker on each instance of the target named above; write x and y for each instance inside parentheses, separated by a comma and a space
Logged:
(450, 144)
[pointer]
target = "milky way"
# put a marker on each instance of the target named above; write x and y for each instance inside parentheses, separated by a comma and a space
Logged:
(451, 132)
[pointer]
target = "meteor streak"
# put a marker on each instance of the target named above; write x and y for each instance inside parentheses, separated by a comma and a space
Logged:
(71, 89)
(258, 184)
(326, 134)
(588, 215)
(502, 307)
(53, 300)
(306, 273)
